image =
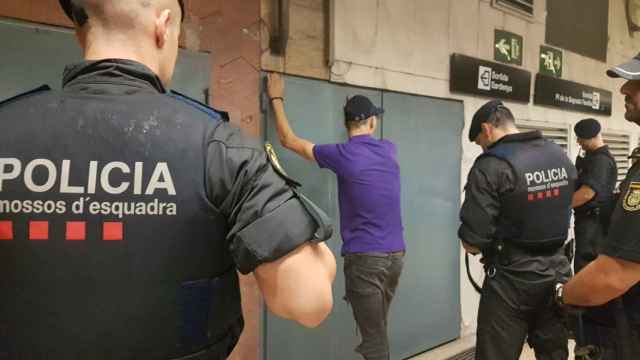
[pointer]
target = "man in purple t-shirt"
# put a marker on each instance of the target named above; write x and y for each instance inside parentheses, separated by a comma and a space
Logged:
(370, 213)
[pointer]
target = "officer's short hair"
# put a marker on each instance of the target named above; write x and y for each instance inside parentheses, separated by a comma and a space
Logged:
(76, 10)
(495, 113)
(501, 116)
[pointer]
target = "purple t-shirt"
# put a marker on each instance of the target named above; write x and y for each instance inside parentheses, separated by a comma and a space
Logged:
(369, 193)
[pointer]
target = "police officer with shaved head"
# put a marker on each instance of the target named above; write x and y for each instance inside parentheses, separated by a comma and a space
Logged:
(597, 176)
(516, 213)
(126, 210)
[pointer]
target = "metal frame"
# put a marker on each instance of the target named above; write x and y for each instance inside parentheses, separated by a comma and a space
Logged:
(504, 5)
(545, 125)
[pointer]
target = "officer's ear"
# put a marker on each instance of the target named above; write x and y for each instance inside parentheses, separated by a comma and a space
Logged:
(163, 28)
(486, 129)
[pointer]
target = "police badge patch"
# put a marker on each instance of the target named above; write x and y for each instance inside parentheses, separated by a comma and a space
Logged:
(325, 226)
(631, 200)
(275, 162)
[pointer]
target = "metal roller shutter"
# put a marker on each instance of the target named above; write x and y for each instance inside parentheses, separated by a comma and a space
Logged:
(620, 149)
(557, 134)
(523, 6)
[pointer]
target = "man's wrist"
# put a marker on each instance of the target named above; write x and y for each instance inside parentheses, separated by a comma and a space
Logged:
(559, 293)
(559, 300)
(277, 98)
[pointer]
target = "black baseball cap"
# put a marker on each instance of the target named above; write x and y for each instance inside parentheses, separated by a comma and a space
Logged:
(359, 107)
(67, 6)
(587, 128)
(629, 70)
(481, 116)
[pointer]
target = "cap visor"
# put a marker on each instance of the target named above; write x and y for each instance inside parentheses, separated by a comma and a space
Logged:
(66, 6)
(629, 70)
(378, 111)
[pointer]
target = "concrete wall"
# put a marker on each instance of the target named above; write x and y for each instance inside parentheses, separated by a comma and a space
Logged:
(307, 50)
(404, 45)
(230, 31)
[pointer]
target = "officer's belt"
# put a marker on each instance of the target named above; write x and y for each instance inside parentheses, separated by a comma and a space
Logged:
(589, 212)
(225, 337)
(512, 250)
(219, 351)
(520, 249)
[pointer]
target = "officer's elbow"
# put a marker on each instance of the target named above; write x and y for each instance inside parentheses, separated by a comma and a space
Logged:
(312, 316)
(298, 287)
(308, 309)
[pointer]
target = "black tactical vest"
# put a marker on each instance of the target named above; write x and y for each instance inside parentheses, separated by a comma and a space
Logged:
(536, 214)
(584, 166)
(109, 245)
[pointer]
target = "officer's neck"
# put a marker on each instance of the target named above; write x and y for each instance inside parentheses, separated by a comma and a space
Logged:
(106, 48)
(596, 146)
(499, 134)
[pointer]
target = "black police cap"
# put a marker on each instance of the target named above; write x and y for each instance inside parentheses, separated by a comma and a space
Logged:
(629, 70)
(80, 18)
(359, 107)
(587, 128)
(481, 116)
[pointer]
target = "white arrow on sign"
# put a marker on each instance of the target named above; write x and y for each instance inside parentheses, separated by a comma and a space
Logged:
(504, 48)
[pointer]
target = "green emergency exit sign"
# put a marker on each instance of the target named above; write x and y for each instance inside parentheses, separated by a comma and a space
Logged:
(507, 47)
(550, 61)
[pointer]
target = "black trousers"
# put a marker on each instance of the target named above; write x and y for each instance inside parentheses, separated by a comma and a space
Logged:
(598, 323)
(515, 307)
(371, 281)
(589, 239)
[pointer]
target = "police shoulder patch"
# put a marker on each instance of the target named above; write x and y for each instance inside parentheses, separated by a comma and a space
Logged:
(631, 201)
(24, 94)
(212, 112)
(275, 162)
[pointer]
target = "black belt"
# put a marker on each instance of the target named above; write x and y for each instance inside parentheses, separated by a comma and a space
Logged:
(377, 254)
(588, 213)
(219, 350)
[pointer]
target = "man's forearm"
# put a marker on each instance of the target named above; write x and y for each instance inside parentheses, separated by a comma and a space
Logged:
(288, 138)
(598, 283)
(582, 196)
(285, 133)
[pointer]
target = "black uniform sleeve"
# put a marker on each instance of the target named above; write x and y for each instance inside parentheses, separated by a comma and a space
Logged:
(489, 178)
(597, 174)
(623, 241)
(266, 220)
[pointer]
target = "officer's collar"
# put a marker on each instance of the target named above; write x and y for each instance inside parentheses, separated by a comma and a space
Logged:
(518, 137)
(112, 71)
(601, 149)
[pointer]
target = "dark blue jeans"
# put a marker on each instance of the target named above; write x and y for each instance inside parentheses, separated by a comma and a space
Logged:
(371, 280)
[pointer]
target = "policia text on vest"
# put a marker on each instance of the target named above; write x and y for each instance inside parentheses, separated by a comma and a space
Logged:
(114, 178)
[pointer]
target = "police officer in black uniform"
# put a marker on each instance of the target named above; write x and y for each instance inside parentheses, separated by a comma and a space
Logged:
(125, 212)
(635, 155)
(516, 213)
(597, 176)
(616, 271)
